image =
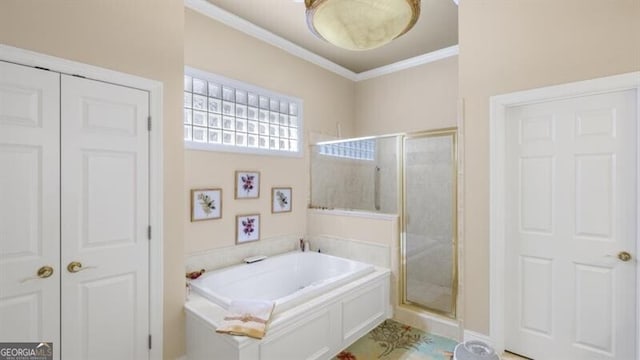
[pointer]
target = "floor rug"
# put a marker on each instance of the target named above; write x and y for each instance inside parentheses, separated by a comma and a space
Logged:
(395, 341)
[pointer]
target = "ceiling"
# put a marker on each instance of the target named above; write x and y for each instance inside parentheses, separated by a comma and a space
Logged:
(437, 28)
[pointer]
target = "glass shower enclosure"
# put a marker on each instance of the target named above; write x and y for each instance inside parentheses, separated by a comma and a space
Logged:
(429, 241)
(414, 176)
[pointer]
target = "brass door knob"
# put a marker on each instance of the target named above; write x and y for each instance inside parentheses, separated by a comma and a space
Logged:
(74, 266)
(624, 256)
(45, 271)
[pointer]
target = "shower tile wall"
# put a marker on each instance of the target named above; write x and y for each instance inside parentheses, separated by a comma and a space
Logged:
(343, 183)
(386, 159)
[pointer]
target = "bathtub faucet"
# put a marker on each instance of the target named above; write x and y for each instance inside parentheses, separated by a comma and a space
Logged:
(304, 245)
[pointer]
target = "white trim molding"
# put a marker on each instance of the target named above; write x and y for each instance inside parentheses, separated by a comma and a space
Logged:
(155, 89)
(637, 213)
(206, 8)
(498, 109)
(409, 63)
(353, 213)
(460, 216)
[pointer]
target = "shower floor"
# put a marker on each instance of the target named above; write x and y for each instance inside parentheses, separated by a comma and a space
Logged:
(433, 296)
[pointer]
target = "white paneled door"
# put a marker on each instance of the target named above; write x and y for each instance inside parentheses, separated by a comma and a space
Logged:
(29, 204)
(105, 200)
(74, 214)
(570, 223)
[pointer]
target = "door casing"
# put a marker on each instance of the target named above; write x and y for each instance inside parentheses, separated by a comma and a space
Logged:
(498, 109)
(155, 89)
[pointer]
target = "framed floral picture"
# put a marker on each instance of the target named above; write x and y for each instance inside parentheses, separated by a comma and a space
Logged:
(247, 184)
(206, 204)
(247, 228)
(281, 199)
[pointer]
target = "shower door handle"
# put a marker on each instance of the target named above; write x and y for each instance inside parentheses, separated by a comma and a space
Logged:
(376, 188)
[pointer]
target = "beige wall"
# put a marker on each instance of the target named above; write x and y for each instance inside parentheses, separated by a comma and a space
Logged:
(144, 38)
(510, 45)
(328, 99)
(416, 99)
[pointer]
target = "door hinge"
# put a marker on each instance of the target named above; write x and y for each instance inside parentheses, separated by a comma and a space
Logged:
(149, 341)
(149, 232)
(149, 123)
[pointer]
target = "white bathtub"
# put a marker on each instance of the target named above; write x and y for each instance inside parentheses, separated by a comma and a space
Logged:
(323, 305)
(289, 279)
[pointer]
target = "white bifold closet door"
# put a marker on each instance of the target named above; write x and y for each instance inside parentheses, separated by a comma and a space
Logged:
(29, 205)
(104, 211)
(74, 198)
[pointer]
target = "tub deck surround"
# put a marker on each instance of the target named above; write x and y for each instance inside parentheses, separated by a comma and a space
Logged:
(318, 327)
(213, 315)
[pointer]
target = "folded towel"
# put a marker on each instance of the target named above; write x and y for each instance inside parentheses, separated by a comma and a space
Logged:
(247, 318)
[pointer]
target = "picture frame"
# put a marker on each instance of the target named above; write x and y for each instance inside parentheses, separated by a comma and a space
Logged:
(247, 228)
(247, 185)
(281, 199)
(206, 204)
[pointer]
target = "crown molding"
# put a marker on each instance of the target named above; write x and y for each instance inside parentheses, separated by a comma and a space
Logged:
(208, 9)
(408, 63)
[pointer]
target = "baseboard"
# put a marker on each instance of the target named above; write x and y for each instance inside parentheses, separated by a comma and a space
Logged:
(472, 335)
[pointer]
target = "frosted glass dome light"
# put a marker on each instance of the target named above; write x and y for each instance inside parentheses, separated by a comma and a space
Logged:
(361, 24)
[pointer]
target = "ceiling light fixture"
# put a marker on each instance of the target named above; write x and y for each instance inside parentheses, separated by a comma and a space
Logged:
(361, 24)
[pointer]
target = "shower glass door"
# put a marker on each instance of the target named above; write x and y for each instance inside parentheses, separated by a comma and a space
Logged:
(429, 255)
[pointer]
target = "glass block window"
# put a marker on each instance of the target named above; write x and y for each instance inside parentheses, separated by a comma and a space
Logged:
(357, 150)
(227, 115)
